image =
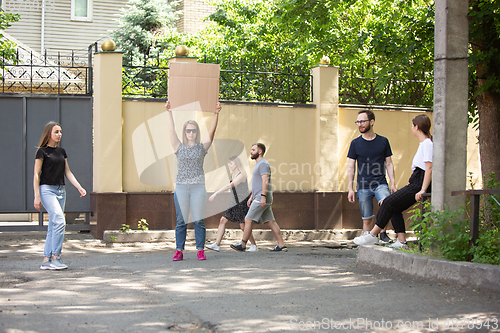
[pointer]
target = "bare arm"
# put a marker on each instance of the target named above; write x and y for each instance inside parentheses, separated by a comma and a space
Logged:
(265, 186)
(174, 139)
(235, 182)
(36, 183)
(350, 179)
(72, 180)
(211, 132)
(427, 181)
(390, 172)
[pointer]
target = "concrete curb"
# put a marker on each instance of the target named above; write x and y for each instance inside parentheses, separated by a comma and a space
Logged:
(457, 273)
(116, 236)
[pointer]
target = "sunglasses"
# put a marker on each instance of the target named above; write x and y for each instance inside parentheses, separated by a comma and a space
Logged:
(194, 130)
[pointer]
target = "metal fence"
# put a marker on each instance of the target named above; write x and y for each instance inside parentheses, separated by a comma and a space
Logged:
(383, 90)
(60, 73)
(239, 81)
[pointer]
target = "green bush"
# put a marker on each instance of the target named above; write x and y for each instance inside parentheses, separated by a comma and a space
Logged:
(446, 234)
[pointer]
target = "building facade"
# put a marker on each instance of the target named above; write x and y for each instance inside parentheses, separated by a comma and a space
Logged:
(72, 25)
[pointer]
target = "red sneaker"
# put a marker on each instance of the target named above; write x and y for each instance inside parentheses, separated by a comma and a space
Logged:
(178, 256)
(201, 255)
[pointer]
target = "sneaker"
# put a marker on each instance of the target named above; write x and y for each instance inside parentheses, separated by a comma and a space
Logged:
(367, 239)
(201, 255)
(365, 233)
(384, 239)
(279, 249)
(46, 265)
(178, 256)
(238, 247)
(213, 246)
(57, 264)
(252, 248)
(399, 245)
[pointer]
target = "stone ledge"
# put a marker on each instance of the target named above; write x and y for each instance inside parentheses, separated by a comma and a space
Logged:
(230, 234)
(458, 273)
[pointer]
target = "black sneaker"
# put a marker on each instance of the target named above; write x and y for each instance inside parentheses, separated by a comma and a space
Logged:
(238, 247)
(279, 249)
(384, 239)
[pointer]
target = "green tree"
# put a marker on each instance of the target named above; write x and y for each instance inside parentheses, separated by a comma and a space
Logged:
(378, 40)
(142, 26)
(484, 79)
(7, 47)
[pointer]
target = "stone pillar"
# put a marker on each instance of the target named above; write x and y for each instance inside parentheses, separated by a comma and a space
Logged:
(108, 122)
(326, 98)
(450, 103)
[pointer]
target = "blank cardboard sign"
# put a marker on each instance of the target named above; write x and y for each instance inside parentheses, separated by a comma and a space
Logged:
(192, 86)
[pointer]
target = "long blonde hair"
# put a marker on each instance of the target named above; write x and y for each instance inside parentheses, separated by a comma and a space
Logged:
(184, 138)
(237, 161)
(47, 131)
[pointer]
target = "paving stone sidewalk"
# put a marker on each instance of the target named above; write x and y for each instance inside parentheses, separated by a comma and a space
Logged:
(315, 286)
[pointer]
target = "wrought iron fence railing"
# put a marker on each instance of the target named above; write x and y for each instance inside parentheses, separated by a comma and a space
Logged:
(239, 81)
(377, 90)
(29, 72)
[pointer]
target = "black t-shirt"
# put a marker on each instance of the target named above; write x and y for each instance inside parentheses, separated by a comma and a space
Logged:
(54, 163)
(370, 156)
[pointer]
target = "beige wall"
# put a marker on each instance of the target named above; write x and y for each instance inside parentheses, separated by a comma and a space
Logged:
(307, 144)
(288, 133)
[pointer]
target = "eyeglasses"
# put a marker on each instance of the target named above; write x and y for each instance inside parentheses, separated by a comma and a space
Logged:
(360, 122)
(189, 130)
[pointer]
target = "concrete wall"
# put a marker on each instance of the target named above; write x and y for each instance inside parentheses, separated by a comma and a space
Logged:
(307, 147)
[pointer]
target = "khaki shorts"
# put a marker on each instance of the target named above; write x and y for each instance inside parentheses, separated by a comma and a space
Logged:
(257, 212)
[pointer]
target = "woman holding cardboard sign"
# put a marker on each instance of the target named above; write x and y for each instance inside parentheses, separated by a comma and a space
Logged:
(190, 192)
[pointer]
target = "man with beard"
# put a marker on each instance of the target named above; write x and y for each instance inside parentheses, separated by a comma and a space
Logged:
(373, 154)
(260, 201)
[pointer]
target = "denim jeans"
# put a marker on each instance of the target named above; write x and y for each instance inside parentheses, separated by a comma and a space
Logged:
(186, 197)
(53, 199)
(365, 197)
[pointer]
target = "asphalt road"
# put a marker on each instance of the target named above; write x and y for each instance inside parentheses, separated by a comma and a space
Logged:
(313, 287)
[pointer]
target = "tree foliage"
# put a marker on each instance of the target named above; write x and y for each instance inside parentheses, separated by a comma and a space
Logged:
(142, 27)
(7, 47)
(380, 41)
(484, 79)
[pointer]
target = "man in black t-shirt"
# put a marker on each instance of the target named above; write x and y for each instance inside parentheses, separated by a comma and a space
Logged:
(372, 153)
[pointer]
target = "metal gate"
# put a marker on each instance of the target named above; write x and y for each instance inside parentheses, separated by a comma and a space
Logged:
(22, 121)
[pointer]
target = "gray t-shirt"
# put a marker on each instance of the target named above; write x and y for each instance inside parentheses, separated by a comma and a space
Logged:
(261, 168)
(190, 164)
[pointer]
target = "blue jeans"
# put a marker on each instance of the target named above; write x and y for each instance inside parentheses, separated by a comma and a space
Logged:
(365, 197)
(53, 199)
(186, 197)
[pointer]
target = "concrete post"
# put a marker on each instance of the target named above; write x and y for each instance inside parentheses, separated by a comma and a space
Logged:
(108, 122)
(450, 103)
(326, 98)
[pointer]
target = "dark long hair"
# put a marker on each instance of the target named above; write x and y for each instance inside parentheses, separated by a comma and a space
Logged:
(424, 124)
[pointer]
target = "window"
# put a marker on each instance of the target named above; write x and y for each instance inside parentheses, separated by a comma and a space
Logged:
(81, 10)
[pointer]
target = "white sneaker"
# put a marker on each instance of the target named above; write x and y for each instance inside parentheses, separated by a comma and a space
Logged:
(399, 245)
(213, 246)
(252, 248)
(367, 239)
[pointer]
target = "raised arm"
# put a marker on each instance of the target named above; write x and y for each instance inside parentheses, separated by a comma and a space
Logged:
(350, 179)
(174, 139)
(390, 172)
(36, 183)
(211, 132)
(72, 179)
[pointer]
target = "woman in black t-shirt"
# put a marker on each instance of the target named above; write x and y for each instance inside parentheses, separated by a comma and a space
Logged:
(51, 166)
